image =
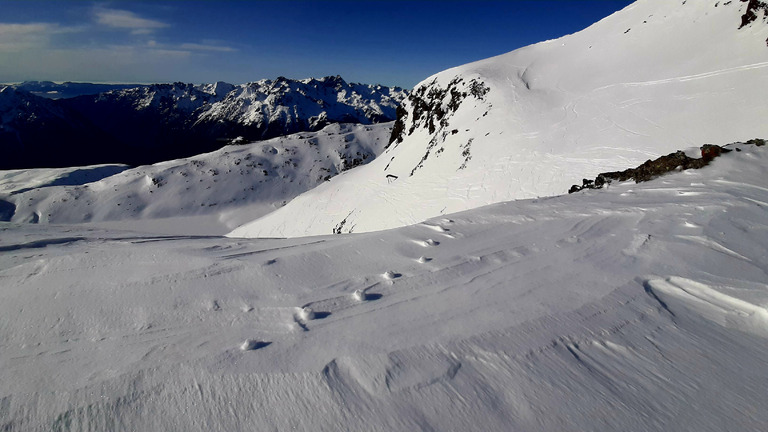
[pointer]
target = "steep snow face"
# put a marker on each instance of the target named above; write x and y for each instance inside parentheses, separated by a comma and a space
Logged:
(229, 186)
(643, 307)
(657, 76)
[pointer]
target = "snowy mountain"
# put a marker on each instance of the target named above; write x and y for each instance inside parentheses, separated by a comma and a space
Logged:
(65, 90)
(641, 307)
(159, 122)
(218, 190)
(30, 124)
(658, 76)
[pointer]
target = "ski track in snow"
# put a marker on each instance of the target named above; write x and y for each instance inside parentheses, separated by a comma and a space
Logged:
(704, 75)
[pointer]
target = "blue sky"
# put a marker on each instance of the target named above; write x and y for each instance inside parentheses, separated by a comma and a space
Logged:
(387, 42)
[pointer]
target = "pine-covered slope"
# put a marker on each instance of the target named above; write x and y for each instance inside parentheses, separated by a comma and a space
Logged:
(657, 76)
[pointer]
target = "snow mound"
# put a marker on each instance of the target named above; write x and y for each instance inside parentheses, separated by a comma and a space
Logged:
(252, 344)
(306, 314)
(359, 295)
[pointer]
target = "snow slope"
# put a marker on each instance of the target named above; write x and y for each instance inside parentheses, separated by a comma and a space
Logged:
(228, 186)
(655, 77)
(634, 308)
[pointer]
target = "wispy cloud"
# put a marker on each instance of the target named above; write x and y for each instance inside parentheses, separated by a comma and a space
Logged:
(19, 37)
(206, 47)
(127, 20)
(107, 44)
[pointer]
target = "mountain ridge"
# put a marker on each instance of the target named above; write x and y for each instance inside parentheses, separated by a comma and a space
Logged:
(157, 122)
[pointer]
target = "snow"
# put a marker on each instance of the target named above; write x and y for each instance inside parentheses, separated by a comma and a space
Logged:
(206, 194)
(554, 113)
(640, 307)
(637, 307)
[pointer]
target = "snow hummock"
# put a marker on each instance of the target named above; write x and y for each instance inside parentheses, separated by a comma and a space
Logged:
(653, 78)
(639, 307)
(306, 313)
(359, 295)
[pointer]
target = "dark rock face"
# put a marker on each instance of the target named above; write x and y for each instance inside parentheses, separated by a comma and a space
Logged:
(426, 106)
(430, 107)
(655, 168)
(753, 8)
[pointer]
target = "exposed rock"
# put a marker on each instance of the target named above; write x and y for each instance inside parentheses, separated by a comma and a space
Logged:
(651, 169)
(430, 107)
(753, 8)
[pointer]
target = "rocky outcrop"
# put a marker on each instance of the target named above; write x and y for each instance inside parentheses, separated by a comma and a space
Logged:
(430, 107)
(754, 7)
(652, 169)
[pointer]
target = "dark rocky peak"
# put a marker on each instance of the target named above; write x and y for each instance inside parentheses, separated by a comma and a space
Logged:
(336, 82)
(754, 8)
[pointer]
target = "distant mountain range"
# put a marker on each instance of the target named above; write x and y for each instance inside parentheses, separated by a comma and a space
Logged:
(148, 124)
(65, 90)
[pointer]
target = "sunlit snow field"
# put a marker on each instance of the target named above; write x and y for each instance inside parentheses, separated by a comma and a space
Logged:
(639, 307)
(457, 298)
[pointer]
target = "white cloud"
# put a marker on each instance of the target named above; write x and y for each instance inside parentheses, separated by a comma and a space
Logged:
(123, 19)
